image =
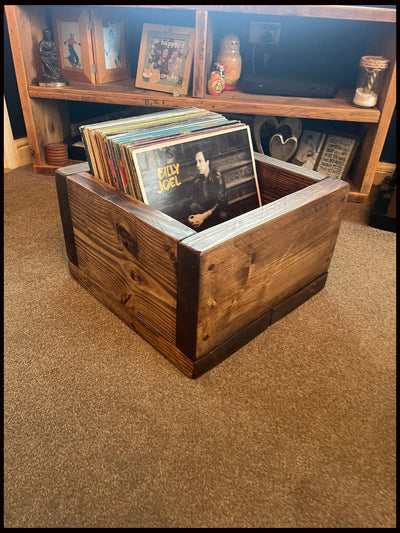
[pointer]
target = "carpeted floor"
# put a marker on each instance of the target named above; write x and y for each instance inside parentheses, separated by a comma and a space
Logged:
(295, 430)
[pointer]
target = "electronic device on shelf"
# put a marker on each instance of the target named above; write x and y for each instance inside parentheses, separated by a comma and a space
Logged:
(270, 85)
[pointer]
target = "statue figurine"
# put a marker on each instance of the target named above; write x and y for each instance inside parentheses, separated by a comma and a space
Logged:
(52, 75)
(216, 81)
(229, 56)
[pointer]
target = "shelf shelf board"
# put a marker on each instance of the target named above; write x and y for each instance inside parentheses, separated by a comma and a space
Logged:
(125, 93)
(374, 13)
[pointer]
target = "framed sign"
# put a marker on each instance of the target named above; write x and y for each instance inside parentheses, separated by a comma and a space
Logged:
(165, 58)
(337, 155)
(91, 44)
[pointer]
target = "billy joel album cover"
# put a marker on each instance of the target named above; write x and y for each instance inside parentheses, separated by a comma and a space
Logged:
(201, 180)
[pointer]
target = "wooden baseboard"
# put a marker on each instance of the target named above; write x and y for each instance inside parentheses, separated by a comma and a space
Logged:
(22, 155)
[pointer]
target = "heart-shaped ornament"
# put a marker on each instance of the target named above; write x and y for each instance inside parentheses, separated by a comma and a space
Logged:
(264, 127)
(282, 149)
(293, 125)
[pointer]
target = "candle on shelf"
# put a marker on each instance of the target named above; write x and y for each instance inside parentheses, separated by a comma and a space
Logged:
(372, 70)
(364, 98)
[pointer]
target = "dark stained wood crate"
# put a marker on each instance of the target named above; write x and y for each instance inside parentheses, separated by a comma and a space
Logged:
(198, 297)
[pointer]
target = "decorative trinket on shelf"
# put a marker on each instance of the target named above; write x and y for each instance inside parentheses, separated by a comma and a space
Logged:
(370, 78)
(229, 56)
(216, 81)
(281, 148)
(279, 139)
(52, 75)
(56, 154)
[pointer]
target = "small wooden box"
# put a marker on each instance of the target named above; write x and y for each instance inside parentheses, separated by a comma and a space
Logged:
(198, 297)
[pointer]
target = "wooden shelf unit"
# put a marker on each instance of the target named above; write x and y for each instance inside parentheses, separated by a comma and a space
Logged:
(46, 109)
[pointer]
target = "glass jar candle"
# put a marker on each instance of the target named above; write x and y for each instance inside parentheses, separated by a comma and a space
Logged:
(369, 83)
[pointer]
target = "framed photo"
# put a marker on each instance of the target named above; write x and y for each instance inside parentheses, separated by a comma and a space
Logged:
(109, 45)
(337, 154)
(91, 44)
(73, 40)
(308, 149)
(165, 58)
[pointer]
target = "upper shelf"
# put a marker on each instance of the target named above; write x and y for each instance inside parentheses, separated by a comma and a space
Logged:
(125, 93)
(367, 13)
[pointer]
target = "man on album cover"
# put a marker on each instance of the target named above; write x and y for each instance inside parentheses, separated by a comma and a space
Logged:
(208, 206)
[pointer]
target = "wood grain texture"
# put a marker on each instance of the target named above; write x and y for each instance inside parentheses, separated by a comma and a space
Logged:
(375, 135)
(66, 220)
(340, 12)
(128, 249)
(250, 264)
(125, 93)
(190, 368)
(128, 316)
(231, 345)
(278, 178)
(299, 297)
(199, 55)
(243, 336)
(45, 121)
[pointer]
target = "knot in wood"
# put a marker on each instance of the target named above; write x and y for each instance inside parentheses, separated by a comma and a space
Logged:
(127, 240)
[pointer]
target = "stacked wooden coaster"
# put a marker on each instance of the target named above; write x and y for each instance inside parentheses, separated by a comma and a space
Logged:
(56, 154)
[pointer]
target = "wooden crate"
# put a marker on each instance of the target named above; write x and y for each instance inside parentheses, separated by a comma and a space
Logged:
(198, 297)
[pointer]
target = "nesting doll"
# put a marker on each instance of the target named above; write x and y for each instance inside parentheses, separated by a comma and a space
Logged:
(216, 81)
(229, 56)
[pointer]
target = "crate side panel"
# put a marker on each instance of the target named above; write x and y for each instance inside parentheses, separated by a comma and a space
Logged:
(65, 213)
(253, 271)
(278, 178)
(154, 338)
(129, 258)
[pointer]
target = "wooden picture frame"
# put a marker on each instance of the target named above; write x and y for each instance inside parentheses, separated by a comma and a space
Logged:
(74, 42)
(337, 154)
(165, 58)
(87, 54)
(109, 45)
(309, 149)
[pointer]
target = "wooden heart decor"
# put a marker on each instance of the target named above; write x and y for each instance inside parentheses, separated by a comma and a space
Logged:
(281, 135)
(282, 149)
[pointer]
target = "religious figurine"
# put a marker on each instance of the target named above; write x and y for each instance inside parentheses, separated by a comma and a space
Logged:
(216, 81)
(52, 75)
(229, 56)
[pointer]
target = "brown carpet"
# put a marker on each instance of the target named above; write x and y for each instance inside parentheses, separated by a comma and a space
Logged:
(295, 430)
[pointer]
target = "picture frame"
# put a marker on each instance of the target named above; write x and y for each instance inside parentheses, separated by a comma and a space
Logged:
(73, 40)
(109, 45)
(165, 58)
(337, 154)
(88, 51)
(309, 149)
